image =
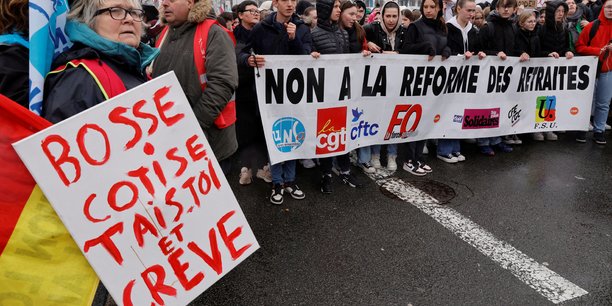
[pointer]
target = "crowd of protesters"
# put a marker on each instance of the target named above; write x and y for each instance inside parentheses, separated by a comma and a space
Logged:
(128, 41)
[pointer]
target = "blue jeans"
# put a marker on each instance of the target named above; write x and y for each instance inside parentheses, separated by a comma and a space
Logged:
(488, 141)
(283, 172)
(448, 146)
(365, 153)
(601, 101)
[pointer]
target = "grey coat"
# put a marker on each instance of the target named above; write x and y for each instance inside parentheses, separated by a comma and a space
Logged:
(221, 71)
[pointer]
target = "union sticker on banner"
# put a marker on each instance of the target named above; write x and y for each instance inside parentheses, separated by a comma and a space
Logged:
(137, 185)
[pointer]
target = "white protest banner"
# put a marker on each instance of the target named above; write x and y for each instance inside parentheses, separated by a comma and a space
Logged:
(332, 105)
(135, 182)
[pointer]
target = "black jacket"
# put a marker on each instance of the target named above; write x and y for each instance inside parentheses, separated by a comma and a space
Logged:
(327, 37)
(497, 35)
(14, 63)
(376, 34)
(355, 46)
(456, 43)
(528, 42)
(74, 90)
(426, 36)
(270, 37)
(554, 37)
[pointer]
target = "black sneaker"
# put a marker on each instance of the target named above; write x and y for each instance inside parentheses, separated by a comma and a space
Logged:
(294, 191)
(581, 136)
(326, 184)
(599, 138)
(350, 180)
(276, 197)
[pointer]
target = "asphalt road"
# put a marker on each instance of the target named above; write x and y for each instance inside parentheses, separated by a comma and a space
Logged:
(552, 201)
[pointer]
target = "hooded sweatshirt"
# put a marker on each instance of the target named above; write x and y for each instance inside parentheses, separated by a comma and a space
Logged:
(602, 37)
(461, 40)
(377, 32)
(554, 36)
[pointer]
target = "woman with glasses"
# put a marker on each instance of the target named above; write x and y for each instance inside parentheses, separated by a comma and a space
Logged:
(105, 35)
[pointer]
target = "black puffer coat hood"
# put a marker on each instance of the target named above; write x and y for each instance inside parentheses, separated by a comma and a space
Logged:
(324, 11)
(551, 7)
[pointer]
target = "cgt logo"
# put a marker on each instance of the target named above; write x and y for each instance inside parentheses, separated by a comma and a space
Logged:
(486, 118)
(402, 115)
(288, 134)
(331, 130)
(363, 128)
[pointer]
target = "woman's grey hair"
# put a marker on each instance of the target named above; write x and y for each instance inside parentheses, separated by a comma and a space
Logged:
(84, 10)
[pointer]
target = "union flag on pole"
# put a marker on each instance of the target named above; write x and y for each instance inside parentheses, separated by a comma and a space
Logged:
(40, 264)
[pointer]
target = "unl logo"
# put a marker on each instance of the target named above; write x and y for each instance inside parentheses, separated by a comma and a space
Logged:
(288, 134)
(546, 109)
(403, 114)
(331, 130)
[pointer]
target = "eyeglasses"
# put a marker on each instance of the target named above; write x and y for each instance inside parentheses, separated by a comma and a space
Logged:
(119, 13)
(253, 11)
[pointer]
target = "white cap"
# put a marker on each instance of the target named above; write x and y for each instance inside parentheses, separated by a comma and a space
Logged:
(266, 5)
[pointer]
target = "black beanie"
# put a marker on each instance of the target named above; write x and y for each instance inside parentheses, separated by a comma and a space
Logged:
(302, 5)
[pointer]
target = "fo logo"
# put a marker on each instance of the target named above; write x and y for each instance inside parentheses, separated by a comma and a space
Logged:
(546, 109)
(331, 130)
(288, 134)
(407, 117)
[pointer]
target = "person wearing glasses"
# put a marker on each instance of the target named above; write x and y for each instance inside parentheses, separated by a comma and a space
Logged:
(252, 152)
(107, 35)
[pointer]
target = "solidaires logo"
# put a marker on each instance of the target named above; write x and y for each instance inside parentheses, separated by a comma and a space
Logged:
(288, 134)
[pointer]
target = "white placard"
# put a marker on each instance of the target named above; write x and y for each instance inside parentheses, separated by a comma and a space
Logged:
(135, 182)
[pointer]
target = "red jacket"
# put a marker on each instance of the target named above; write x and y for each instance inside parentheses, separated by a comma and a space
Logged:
(602, 37)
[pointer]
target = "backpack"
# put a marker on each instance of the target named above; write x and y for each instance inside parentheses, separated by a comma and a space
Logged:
(227, 116)
(592, 33)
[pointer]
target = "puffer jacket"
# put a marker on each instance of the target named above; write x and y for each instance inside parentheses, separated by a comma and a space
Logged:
(74, 90)
(497, 35)
(327, 37)
(601, 38)
(554, 37)
(14, 73)
(221, 72)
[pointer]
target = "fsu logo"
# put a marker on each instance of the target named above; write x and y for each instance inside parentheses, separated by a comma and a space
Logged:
(331, 130)
(546, 109)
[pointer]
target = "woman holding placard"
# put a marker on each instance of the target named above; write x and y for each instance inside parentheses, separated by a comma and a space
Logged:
(107, 57)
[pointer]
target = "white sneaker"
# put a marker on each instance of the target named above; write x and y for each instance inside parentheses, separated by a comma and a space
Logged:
(375, 161)
(517, 140)
(307, 163)
(246, 177)
(265, 174)
(551, 136)
(508, 139)
(459, 156)
(608, 127)
(391, 164)
(367, 167)
(425, 150)
(414, 168)
(450, 158)
(538, 136)
(590, 127)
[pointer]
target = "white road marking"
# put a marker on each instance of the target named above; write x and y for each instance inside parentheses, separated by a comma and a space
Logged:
(543, 280)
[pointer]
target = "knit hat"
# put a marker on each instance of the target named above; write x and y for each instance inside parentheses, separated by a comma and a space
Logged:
(302, 5)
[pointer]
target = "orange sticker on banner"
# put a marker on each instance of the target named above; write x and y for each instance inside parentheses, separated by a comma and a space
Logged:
(574, 111)
(436, 118)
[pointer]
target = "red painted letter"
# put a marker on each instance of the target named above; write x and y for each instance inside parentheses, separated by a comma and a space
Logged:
(180, 268)
(159, 286)
(229, 239)
(63, 158)
(215, 262)
(162, 108)
(81, 143)
(107, 243)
